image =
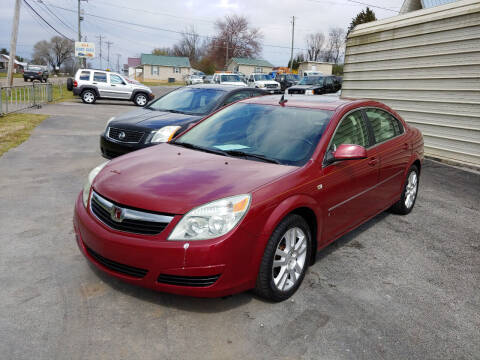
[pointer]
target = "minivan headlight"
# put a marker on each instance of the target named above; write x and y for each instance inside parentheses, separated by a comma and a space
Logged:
(88, 184)
(212, 220)
(164, 134)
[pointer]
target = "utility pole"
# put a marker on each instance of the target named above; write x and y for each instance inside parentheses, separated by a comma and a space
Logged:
(100, 37)
(13, 43)
(291, 52)
(80, 19)
(118, 62)
(109, 43)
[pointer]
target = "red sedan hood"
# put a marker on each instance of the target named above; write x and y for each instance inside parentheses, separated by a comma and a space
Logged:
(171, 179)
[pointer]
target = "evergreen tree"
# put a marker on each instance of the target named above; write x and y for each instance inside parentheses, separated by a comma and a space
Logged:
(362, 17)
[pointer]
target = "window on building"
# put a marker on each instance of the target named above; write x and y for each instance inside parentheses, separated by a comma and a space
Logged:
(154, 69)
(176, 70)
(258, 69)
(236, 68)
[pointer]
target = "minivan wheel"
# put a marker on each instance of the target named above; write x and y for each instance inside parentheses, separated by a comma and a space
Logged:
(409, 194)
(88, 97)
(140, 99)
(285, 259)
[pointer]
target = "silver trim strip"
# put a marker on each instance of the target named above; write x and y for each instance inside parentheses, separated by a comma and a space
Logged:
(365, 191)
(127, 213)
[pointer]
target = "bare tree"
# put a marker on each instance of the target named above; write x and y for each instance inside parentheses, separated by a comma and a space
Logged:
(53, 53)
(314, 46)
(190, 45)
(336, 43)
(234, 38)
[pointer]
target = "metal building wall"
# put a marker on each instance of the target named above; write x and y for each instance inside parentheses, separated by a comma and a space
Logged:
(425, 65)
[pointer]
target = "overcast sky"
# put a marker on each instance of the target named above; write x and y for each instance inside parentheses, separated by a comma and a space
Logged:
(273, 17)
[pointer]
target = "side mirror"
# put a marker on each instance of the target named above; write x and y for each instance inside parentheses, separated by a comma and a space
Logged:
(346, 152)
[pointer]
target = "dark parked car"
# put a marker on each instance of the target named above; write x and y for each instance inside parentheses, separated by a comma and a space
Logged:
(35, 72)
(315, 85)
(167, 116)
(286, 80)
(246, 198)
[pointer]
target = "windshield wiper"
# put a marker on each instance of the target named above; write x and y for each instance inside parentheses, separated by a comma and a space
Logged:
(256, 156)
(200, 148)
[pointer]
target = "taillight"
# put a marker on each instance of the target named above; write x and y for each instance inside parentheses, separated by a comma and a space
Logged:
(39, 73)
(75, 84)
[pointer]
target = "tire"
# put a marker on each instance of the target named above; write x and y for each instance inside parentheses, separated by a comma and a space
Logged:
(25, 79)
(274, 280)
(140, 99)
(69, 84)
(88, 96)
(409, 193)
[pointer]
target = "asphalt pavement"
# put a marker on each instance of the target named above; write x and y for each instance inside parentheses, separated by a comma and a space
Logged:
(399, 287)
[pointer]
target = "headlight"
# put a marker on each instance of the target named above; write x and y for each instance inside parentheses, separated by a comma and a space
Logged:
(308, 92)
(261, 85)
(164, 134)
(211, 220)
(88, 184)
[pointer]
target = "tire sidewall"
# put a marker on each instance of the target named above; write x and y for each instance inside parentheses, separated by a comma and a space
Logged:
(288, 222)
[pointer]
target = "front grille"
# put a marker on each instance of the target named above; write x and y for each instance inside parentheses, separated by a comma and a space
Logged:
(271, 86)
(123, 135)
(296, 91)
(133, 221)
(196, 281)
(117, 267)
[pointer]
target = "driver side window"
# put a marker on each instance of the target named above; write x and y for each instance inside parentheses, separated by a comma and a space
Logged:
(351, 130)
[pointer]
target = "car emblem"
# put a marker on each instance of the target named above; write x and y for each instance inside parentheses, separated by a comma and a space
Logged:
(117, 214)
(121, 135)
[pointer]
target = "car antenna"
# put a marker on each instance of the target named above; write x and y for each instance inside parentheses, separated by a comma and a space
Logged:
(282, 100)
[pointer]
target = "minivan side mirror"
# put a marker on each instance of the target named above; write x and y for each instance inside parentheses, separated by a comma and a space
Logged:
(346, 152)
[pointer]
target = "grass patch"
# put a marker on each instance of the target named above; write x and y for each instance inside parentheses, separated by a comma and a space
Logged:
(61, 95)
(15, 75)
(162, 83)
(16, 128)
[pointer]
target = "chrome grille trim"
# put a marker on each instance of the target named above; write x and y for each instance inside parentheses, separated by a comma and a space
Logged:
(128, 215)
(131, 136)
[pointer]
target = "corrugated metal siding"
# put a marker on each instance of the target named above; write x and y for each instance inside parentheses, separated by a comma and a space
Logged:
(426, 66)
(431, 3)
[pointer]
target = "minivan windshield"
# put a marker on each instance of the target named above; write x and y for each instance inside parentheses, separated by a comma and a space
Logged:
(230, 78)
(280, 134)
(311, 80)
(188, 100)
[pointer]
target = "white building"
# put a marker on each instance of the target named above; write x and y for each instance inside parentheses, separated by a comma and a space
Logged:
(425, 64)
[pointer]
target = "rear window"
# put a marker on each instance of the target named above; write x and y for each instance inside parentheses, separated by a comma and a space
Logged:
(100, 77)
(84, 75)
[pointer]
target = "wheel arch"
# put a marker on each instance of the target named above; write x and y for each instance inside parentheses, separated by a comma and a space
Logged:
(137, 91)
(95, 90)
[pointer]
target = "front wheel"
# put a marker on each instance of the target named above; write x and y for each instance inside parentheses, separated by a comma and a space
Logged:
(140, 99)
(88, 97)
(285, 259)
(409, 194)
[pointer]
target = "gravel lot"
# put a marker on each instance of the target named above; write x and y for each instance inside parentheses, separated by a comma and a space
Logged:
(396, 288)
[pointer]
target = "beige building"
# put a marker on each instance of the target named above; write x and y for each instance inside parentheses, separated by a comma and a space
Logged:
(249, 66)
(425, 64)
(163, 68)
(322, 67)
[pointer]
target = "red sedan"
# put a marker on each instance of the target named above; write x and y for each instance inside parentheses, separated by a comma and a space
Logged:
(248, 196)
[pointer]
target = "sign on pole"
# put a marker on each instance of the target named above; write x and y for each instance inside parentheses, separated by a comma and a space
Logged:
(84, 49)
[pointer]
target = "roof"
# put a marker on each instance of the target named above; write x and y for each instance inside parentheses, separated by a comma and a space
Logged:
(412, 5)
(7, 57)
(251, 62)
(315, 62)
(133, 62)
(177, 61)
(320, 102)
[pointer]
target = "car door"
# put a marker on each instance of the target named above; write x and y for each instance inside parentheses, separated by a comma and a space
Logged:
(393, 153)
(347, 186)
(119, 88)
(101, 82)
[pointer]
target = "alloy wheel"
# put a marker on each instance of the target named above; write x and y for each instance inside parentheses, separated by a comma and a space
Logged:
(88, 97)
(290, 258)
(141, 100)
(411, 189)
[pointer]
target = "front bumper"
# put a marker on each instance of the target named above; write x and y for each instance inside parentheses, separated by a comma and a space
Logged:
(111, 149)
(228, 257)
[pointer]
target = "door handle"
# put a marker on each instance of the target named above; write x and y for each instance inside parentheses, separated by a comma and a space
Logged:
(405, 146)
(373, 161)
(113, 85)
(94, 83)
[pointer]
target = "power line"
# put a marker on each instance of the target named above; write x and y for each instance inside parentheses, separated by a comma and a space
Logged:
(55, 15)
(45, 21)
(360, 3)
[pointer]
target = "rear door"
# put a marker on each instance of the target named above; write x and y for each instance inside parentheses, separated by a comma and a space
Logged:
(347, 186)
(393, 153)
(119, 88)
